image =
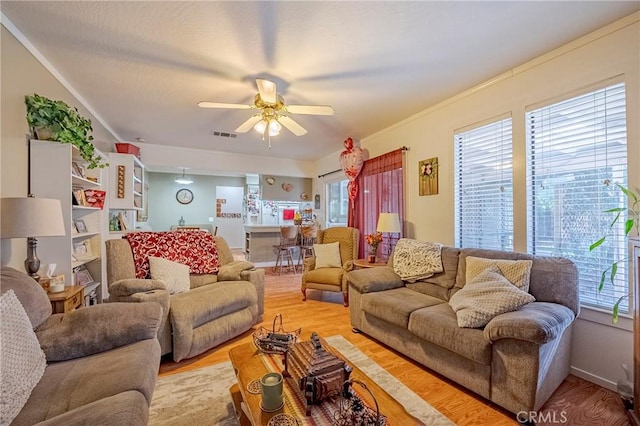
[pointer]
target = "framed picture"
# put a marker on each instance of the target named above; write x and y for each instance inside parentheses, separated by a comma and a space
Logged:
(428, 176)
(81, 276)
(82, 250)
(81, 227)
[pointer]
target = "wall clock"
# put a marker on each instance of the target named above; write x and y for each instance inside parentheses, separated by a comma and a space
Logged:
(184, 196)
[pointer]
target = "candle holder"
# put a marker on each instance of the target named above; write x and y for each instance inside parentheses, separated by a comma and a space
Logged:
(271, 392)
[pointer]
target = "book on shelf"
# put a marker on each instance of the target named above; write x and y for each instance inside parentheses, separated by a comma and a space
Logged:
(89, 197)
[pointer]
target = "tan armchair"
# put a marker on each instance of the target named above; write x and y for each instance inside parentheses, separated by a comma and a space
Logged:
(332, 279)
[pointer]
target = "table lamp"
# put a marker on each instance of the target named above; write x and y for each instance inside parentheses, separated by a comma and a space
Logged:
(30, 217)
(389, 223)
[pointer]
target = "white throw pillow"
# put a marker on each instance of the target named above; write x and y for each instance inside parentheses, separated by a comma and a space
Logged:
(488, 295)
(327, 255)
(175, 275)
(22, 361)
(518, 272)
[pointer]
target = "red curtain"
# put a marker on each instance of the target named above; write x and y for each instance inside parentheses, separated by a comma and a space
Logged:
(380, 189)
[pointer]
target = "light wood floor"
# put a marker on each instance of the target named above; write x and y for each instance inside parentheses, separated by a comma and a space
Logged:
(578, 401)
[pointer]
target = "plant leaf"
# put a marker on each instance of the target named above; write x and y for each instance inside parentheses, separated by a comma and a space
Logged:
(616, 310)
(628, 193)
(614, 271)
(628, 226)
(597, 243)
(602, 278)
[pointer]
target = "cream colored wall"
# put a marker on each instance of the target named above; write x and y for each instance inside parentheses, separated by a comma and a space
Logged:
(22, 74)
(598, 348)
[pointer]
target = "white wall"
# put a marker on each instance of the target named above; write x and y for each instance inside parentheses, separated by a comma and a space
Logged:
(598, 347)
(23, 75)
(165, 210)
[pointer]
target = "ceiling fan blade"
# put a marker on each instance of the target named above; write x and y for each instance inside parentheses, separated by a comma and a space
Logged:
(294, 127)
(223, 105)
(267, 90)
(310, 109)
(248, 125)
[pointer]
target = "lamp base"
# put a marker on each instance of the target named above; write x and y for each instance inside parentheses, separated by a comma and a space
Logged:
(32, 263)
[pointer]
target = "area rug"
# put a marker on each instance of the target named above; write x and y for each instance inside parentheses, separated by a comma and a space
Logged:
(201, 397)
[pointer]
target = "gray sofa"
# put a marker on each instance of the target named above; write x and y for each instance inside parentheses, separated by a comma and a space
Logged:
(102, 361)
(215, 309)
(517, 360)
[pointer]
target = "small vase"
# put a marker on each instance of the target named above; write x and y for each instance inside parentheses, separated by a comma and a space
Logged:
(371, 258)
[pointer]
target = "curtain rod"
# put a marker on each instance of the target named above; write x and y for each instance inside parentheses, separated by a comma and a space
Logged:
(330, 173)
(402, 148)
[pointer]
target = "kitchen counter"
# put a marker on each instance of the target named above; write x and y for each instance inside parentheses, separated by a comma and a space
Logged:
(259, 242)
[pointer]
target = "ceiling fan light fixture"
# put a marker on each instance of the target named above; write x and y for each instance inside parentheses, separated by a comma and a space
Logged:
(183, 180)
(274, 127)
(260, 126)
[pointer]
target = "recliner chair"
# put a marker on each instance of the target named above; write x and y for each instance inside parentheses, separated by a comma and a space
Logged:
(332, 279)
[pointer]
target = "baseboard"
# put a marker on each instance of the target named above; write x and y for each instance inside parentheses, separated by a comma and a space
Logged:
(594, 379)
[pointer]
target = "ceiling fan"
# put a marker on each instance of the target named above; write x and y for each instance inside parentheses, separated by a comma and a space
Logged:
(274, 113)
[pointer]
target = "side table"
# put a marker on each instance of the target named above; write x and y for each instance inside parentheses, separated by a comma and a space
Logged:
(364, 263)
(66, 301)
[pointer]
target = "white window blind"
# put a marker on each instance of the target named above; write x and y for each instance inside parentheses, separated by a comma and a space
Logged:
(484, 186)
(577, 151)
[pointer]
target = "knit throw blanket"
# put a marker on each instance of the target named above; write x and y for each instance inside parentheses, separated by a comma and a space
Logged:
(414, 260)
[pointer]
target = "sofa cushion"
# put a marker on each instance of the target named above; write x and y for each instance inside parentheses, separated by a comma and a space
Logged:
(489, 294)
(330, 276)
(327, 255)
(31, 295)
(438, 325)
(518, 272)
(197, 249)
(22, 362)
(174, 275)
(395, 306)
(68, 385)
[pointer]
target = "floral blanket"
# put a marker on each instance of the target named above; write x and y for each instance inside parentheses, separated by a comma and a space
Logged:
(414, 260)
(196, 249)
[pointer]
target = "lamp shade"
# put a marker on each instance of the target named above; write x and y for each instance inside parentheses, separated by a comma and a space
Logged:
(30, 217)
(388, 222)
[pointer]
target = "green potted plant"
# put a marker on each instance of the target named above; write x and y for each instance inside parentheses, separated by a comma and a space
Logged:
(632, 223)
(57, 121)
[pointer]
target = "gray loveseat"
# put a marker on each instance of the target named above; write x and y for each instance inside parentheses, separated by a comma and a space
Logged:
(517, 360)
(102, 361)
(215, 309)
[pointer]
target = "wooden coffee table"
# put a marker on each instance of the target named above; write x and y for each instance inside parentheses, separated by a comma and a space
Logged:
(249, 364)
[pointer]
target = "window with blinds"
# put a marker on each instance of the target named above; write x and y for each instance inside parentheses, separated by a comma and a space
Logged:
(577, 152)
(484, 186)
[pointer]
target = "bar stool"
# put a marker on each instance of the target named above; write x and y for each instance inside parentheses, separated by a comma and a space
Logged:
(288, 243)
(308, 235)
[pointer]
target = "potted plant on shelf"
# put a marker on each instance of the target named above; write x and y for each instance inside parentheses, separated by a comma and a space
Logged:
(57, 121)
(632, 223)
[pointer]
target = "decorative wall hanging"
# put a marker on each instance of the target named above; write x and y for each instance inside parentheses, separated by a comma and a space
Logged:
(287, 187)
(316, 200)
(270, 180)
(428, 176)
(351, 161)
(120, 181)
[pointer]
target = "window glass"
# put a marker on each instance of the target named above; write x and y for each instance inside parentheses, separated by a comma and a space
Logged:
(484, 186)
(337, 203)
(577, 151)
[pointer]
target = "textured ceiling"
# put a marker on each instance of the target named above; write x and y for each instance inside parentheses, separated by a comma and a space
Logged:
(143, 66)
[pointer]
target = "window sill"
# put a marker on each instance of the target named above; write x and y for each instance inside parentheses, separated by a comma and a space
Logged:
(600, 316)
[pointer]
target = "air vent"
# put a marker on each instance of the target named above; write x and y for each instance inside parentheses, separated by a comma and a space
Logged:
(223, 134)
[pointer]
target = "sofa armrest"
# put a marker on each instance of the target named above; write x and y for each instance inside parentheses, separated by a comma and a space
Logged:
(232, 271)
(98, 328)
(348, 266)
(374, 279)
(537, 322)
(129, 286)
(256, 277)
